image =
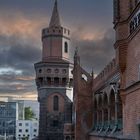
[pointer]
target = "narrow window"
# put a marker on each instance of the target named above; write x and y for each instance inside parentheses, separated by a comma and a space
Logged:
(66, 47)
(56, 103)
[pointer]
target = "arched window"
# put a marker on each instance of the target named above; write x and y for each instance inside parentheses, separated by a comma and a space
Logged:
(56, 103)
(66, 47)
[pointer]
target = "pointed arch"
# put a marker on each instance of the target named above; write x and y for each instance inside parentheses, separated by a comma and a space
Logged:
(100, 110)
(105, 104)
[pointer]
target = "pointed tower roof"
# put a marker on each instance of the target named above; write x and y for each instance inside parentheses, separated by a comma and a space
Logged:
(55, 19)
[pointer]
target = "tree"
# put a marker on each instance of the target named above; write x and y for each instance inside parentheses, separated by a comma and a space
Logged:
(28, 113)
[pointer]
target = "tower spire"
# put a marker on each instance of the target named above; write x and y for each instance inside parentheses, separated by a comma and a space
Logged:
(55, 19)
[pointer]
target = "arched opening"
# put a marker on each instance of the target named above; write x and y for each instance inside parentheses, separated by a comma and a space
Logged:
(120, 114)
(112, 108)
(48, 80)
(105, 111)
(40, 81)
(66, 47)
(56, 81)
(95, 114)
(56, 103)
(100, 111)
(64, 81)
(71, 82)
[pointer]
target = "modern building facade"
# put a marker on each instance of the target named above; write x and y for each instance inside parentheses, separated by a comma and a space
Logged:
(9, 113)
(54, 80)
(26, 129)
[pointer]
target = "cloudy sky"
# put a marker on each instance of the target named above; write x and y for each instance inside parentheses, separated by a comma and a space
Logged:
(21, 22)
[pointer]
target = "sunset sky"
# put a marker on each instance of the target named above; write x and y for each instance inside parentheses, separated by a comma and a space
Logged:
(21, 22)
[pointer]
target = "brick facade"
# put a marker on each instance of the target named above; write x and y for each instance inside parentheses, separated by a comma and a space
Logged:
(116, 90)
(54, 80)
(104, 108)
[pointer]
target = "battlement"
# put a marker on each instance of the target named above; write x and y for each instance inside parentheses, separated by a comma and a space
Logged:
(55, 31)
(107, 72)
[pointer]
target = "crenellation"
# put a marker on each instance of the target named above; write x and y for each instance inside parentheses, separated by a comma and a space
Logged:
(110, 69)
(60, 31)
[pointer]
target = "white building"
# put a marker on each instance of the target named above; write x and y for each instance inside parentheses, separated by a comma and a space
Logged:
(26, 129)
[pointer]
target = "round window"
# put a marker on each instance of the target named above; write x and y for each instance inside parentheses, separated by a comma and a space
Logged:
(56, 70)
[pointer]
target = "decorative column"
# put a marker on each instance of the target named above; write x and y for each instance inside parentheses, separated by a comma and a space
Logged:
(97, 119)
(60, 81)
(109, 115)
(116, 108)
(102, 117)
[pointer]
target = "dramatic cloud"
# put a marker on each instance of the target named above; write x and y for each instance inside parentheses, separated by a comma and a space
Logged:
(96, 51)
(20, 48)
(20, 39)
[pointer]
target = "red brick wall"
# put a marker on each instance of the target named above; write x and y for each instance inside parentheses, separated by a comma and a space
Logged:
(133, 60)
(128, 53)
(131, 112)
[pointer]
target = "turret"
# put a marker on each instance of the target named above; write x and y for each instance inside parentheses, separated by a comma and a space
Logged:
(55, 39)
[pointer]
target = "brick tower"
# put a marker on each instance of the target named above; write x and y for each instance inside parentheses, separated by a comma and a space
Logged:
(53, 80)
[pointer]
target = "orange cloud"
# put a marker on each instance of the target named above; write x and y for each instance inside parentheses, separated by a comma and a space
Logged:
(25, 96)
(87, 33)
(25, 78)
(20, 25)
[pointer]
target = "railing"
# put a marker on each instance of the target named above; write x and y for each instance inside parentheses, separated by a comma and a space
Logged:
(112, 124)
(106, 125)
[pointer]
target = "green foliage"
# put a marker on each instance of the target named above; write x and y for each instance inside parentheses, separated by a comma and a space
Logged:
(29, 114)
